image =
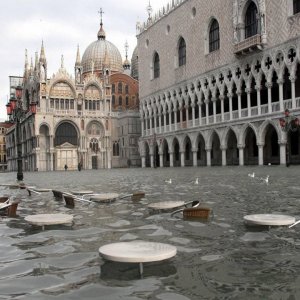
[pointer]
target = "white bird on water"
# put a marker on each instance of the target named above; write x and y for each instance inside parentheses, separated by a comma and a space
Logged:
(168, 181)
(251, 175)
(197, 181)
(266, 180)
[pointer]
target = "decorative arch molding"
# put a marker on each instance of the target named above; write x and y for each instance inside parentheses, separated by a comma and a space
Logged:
(66, 81)
(242, 134)
(263, 130)
(44, 124)
(93, 131)
(70, 123)
(210, 136)
(225, 135)
(184, 140)
(93, 83)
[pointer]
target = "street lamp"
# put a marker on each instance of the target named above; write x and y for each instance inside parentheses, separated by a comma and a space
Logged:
(287, 124)
(17, 114)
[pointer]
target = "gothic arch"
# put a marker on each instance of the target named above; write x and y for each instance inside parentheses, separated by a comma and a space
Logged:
(242, 134)
(67, 82)
(263, 130)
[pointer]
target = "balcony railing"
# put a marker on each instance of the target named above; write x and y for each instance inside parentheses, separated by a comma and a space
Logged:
(249, 44)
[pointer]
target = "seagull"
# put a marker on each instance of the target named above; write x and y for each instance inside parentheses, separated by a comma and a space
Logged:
(168, 181)
(266, 180)
(197, 181)
(251, 175)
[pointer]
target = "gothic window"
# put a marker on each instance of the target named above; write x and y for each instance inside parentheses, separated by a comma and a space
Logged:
(214, 36)
(251, 22)
(94, 145)
(126, 89)
(120, 89)
(120, 100)
(156, 66)
(296, 6)
(127, 101)
(181, 52)
(66, 132)
(113, 99)
(113, 88)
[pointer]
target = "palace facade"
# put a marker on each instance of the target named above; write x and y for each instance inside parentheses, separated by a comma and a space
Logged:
(86, 118)
(215, 78)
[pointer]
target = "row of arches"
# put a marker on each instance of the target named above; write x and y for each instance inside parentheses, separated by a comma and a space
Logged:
(248, 145)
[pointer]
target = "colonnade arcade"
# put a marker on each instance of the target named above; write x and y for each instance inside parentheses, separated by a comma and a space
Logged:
(259, 143)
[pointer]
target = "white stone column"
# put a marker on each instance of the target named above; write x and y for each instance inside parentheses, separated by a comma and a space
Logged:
(161, 160)
(207, 112)
(293, 80)
(239, 104)
(155, 122)
(171, 159)
(260, 154)
(165, 122)
(269, 86)
(142, 123)
(248, 91)
(170, 121)
(223, 149)
(175, 118)
(214, 101)
(208, 157)
(182, 159)
(282, 153)
(230, 105)
(195, 162)
(241, 155)
(159, 123)
(109, 159)
(280, 85)
(152, 160)
(146, 125)
(143, 162)
(181, 116)
(193, 114)
(222, 107)
(257, 87)
(200, 113)
(187, 115)
(151, 129)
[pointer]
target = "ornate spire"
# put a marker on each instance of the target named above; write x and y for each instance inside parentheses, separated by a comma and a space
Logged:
(26, 69)
(78, 60)
(42, 54)
(149, 11)
(36, 64)
(101, 32)
(126, 64)
(31, 66)
(62, 62)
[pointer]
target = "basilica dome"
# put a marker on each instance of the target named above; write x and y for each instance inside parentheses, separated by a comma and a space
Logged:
(99, 53)
(135, 64)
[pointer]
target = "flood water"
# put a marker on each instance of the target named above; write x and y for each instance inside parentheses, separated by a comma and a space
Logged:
(218, 259)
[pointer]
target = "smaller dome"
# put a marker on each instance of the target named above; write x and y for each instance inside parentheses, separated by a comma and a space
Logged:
(135, 64)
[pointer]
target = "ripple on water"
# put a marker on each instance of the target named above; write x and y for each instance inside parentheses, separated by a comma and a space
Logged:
(254, 237)
(171, 296)
(119, 223)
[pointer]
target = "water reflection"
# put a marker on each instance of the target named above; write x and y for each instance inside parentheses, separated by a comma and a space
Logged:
(218, 259)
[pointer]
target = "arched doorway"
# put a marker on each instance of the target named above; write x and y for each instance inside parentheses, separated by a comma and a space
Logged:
(147, 156)
(232, 153)
(176, 153)
(188, 155)
(166, 155)
(66, 143)
(216, 155)
(271, 147)
(251, 149)
(201, 153)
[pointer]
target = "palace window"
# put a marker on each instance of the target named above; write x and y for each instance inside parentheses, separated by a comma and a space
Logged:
(127, 101)
(214, 36)
(113, 88)
(156, 65)
(251, 22)
(296, 6)
(113, 99)
(181, 52)
(126, 89)
(120, 101)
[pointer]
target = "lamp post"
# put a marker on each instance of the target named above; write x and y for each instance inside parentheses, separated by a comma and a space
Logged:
(287, 124)
(17, 114)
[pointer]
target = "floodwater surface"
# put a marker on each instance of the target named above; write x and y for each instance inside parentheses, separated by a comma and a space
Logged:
(216, 259)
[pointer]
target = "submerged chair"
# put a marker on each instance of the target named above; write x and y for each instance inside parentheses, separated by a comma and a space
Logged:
(9, 207)
(57, 194)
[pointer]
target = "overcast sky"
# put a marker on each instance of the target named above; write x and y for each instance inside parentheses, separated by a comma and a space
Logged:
(62, 25)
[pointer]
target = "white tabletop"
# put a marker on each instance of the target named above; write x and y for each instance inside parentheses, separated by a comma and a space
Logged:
(137, 251)
(269, 219)
(41, 190)
(49, 219)
(82, 192)
(166, 205)
(104, 197)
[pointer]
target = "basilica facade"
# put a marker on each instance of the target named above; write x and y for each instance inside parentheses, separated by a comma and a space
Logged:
(216, 78)
(78, 121)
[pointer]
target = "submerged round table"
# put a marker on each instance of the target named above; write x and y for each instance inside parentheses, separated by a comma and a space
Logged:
(104, 197)
(49, 219)
(166, 205)
(137, 252)
(269, 220)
